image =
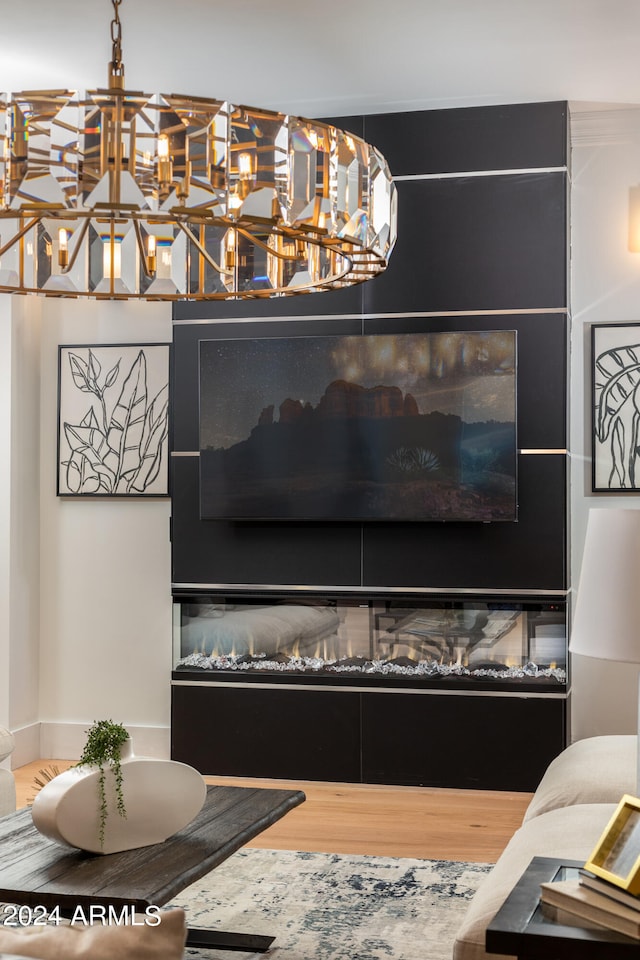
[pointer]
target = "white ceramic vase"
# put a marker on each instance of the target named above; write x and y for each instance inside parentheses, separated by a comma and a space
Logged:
(160, 797)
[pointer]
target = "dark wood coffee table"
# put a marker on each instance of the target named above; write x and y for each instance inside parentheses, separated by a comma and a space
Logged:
(521, 929)
(37, 872)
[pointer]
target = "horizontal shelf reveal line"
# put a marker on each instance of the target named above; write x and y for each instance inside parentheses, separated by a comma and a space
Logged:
(329, 688)
(196, 453)
(514, 311)
(540, 450)
(479, 173)
(377, 590)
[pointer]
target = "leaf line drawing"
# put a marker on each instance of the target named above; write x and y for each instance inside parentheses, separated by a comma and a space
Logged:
(117, 445)
(617, 412)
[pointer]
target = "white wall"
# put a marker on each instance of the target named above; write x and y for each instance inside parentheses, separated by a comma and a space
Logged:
(105, 582)
(605, 289)
(19, 512)
(24, 623)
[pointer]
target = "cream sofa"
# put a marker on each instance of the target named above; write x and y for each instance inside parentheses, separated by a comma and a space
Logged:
(7, 782)
(567, 814)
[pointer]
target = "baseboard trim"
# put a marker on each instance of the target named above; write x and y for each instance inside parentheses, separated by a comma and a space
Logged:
(64, 741)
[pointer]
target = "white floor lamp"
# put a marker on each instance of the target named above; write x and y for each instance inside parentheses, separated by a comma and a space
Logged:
(606, 621)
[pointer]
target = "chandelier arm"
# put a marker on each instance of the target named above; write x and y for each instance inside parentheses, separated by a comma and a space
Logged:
(265, 246)
(142, 251)
(203, 251)
(18, 236)
(77, 246)
(343, 273)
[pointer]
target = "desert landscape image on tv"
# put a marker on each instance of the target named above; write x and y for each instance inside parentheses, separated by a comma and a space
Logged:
(418, 426)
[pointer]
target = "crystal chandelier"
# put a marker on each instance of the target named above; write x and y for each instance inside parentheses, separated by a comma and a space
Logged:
(112, 193)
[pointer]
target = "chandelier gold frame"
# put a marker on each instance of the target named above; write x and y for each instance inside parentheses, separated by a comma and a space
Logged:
(113, 193)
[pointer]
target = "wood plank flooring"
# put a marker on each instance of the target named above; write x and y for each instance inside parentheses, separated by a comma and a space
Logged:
(424, 822)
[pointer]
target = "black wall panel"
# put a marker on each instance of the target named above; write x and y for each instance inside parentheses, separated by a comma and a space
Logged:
(476, 243)
(212, 551)
(510, 137)
(529, 554)
(301, 734)
(458, 741)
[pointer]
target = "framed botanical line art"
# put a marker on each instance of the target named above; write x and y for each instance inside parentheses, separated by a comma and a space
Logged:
(113, 420)
(615, 351)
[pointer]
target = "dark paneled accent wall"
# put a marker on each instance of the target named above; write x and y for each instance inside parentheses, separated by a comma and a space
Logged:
(482, 244)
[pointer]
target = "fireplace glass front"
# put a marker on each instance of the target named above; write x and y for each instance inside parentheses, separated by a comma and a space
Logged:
(371, 641)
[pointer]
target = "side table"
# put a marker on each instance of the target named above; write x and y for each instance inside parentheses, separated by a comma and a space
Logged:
(521, 929)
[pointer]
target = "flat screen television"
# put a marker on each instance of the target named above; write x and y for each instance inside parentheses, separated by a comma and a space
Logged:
(405, 427)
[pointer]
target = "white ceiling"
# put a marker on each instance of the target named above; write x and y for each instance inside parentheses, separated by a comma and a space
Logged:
(334, 57)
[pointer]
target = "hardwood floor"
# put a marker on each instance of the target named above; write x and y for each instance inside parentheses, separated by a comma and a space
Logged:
(424, 822)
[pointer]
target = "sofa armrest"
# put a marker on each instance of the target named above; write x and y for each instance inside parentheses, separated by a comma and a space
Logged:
(7, 782)
(7, 793)
(569, 834)
(594, 770)
(7, 743)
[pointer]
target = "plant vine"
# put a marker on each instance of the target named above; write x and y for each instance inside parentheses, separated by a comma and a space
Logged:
(102, 748)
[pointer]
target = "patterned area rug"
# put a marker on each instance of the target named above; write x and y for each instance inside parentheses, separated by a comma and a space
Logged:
(322, 906)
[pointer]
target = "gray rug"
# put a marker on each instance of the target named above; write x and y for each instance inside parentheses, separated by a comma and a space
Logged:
(322, 906)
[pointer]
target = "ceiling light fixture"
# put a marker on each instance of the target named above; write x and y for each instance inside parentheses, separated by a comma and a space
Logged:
(119, 194)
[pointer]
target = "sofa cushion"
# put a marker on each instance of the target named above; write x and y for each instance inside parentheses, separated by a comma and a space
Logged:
(569, 833)
(164, 941)
(594, 770)
(7, 793)
(7, 743)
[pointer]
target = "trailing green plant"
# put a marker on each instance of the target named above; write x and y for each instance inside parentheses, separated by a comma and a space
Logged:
(102, 749)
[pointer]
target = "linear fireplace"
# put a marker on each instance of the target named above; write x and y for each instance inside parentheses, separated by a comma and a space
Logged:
(371, 641)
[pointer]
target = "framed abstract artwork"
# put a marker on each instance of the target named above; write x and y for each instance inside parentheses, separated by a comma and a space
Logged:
(615, 351)
(113, 420)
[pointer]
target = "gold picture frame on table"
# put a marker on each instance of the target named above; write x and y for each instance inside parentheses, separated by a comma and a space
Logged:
(616, 857)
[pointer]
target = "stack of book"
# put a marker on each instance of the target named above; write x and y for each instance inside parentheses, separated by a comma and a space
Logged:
(589, 901)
